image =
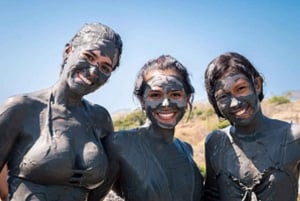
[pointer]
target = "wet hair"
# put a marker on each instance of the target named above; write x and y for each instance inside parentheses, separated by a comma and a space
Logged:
(96, 32)
(163, 62)
(231, 61)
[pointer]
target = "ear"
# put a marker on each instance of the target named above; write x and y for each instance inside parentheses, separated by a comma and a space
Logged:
(258, 85)
(68, 48)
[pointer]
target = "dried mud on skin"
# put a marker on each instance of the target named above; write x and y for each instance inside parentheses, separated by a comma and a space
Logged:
(111, 196)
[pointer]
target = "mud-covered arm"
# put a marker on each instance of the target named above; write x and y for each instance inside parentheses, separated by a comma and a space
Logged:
(293, 149)
(295, 136)
(3, 184)
(12, 113)
(101, 119)
(211, 190)
(112, 175)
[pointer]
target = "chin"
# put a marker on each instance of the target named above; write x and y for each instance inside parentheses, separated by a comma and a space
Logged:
(166, 125)
(242, 122)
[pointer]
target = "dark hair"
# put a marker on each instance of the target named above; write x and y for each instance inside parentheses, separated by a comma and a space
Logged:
(100, 32)
(163, 62)
(218, 66)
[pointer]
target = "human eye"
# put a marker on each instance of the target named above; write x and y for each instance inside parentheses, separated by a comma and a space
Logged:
(105, 68)
(176, 94)
(242, 88)
(221, 97)
(89, 57)
(155, 95)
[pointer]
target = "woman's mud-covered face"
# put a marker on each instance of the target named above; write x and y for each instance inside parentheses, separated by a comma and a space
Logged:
(236, 98)
(164, 98)
(87, 68)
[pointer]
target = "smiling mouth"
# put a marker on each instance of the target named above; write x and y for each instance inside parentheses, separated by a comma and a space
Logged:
(240, 112)
(166, 116)
(84, 79)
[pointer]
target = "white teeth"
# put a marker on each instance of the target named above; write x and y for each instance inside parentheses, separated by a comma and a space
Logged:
(84, 79)
(166, 116)
(241, 112)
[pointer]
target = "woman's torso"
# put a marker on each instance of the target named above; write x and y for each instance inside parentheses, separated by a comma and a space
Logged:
(57, 148)
(154, 170)
(264, 166)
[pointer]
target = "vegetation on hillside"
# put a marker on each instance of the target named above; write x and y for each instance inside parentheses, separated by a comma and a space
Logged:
(133, 119)
(279, 100)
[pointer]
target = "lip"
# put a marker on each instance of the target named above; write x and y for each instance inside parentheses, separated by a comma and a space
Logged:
(241, 112)
(166, 115)
(83, 78)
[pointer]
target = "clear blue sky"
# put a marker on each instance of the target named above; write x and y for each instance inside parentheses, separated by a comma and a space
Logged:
(33, 34)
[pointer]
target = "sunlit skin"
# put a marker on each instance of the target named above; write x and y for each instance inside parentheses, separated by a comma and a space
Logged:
(236, 98)
(164, 99)
(3, 184)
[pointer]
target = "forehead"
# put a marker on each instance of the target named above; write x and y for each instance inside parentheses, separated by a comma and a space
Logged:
(104, 47)
(229, 79)
(96, 45)
(158, 72)
(164, 82)
(169, 78)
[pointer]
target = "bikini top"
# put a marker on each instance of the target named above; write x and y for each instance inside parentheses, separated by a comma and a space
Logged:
(252, 171)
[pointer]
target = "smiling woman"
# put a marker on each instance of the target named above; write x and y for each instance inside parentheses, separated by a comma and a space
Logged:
(51, 139)
(149, 163)
(255, 158)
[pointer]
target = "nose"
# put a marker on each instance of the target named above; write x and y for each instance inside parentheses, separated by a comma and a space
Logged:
(165, 102)
(93, 70)
(234, 102)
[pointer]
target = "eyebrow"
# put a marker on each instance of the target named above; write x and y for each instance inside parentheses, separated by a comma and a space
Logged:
(241, 78)
(95, 55)
(91, 52)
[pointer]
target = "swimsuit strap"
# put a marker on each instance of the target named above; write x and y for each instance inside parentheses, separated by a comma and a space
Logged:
(249, 191)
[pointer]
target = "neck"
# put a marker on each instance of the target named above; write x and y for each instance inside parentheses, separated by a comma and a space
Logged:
(62, 95)
(166, 135)
(257, 124)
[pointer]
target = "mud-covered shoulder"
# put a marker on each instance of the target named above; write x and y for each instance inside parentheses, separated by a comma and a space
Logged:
(99, 112)
(14, 114)
(280, 127)
(295, 132)
(187, 146)
(125, 136)
(122, 139)
(216, 136)
(20, 103)
(100, 116)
